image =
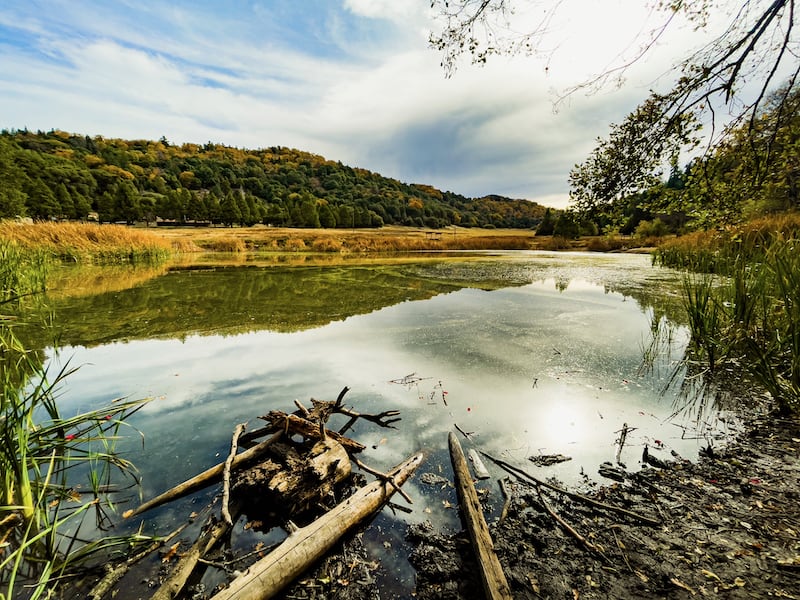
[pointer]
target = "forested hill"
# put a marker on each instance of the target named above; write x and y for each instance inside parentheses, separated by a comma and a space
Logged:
(63, 175)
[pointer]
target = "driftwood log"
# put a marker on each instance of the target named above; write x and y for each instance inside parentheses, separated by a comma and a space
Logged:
(174, 584)
(297, 481)
(204, 479)
(308, 544)
(494, 580)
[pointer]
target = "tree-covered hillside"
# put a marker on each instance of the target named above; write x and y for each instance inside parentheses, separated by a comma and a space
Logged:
(66, 176)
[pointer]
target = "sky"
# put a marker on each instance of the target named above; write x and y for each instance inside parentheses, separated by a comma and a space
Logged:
(351, 80)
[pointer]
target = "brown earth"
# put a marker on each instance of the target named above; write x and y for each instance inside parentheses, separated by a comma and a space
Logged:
(729, 527)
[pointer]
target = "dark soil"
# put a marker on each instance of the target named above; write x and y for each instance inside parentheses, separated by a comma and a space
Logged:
(729, 528)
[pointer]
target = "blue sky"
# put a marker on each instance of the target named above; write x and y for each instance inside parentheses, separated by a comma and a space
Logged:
(352, 80)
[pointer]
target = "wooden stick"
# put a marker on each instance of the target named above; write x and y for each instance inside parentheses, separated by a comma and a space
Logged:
(567, 527)
(226, 474)
(298, 425)
(114, 574)
(466, 434)
(340, 398)
(174, 584)
(204, 479)
(494, 581)
(521, 474)
(385, 477)
(308, 544)
(506, 499)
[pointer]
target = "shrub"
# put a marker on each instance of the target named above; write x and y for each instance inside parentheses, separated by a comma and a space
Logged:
(327, 244)
(651, 229)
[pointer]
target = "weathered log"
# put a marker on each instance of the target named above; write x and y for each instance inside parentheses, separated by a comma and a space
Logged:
(311, 479)
(204, 479)
(494, 580)
(174, 584)
(226, 473)
(294, 425)
(308, 544)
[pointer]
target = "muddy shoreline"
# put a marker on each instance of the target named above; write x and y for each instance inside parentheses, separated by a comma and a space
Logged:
(730, 527)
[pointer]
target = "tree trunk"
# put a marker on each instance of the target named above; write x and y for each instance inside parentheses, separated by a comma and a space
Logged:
(494, 580)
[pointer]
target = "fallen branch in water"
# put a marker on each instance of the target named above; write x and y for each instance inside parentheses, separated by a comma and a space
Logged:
(294, 425)
(524, 475)
(114, 574)
(174, 584)
(204, 479)
(307, 544)
(494, 580)
(226, 474)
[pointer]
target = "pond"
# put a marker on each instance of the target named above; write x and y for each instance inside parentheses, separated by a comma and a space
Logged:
(532, 352)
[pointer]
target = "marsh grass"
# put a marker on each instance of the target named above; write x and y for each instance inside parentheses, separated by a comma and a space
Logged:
(748, 318)
(56, 471)
(22, 272)
(87, 242)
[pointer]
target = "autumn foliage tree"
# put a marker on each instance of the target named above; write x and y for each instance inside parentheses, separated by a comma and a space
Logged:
(57, 175)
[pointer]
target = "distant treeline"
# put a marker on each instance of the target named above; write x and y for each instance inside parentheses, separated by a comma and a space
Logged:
(59, 175)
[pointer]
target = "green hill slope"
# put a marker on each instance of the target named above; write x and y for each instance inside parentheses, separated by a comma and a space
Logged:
(63, 175)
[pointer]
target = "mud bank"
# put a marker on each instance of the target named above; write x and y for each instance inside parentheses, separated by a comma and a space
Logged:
(729, 527)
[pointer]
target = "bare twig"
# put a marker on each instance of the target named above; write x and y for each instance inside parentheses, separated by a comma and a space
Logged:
(524, 475)
(384, 477)
(569, 528)
(226, 473)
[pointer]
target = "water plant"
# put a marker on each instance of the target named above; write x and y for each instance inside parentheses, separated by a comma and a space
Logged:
(747, 318)
(54, 470)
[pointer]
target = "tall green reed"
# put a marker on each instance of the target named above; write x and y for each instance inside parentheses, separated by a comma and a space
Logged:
(22, 272)
(54, 470)
(748, 319)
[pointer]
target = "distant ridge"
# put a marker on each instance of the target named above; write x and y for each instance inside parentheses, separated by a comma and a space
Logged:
(60, 175)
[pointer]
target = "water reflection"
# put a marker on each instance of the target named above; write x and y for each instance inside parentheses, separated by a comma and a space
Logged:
(533, 353)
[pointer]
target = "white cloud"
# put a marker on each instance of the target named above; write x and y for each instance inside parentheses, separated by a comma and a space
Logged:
(404, 13)
(360, 85)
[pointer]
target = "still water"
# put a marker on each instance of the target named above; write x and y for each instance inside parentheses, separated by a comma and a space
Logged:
(535, 353)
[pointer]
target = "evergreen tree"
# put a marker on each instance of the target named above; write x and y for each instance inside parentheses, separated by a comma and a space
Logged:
(548, 224)
(12, 194)
(127, 207)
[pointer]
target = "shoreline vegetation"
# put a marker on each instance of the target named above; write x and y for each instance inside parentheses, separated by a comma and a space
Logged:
(44, 514)
(95, 243)
(741, 293)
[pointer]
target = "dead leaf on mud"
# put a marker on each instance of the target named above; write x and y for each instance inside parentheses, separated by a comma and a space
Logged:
(170, 554)
(676, 582)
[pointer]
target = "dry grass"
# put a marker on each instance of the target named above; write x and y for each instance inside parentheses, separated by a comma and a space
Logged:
(117, 243)
(87, 241)
(386, 239)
